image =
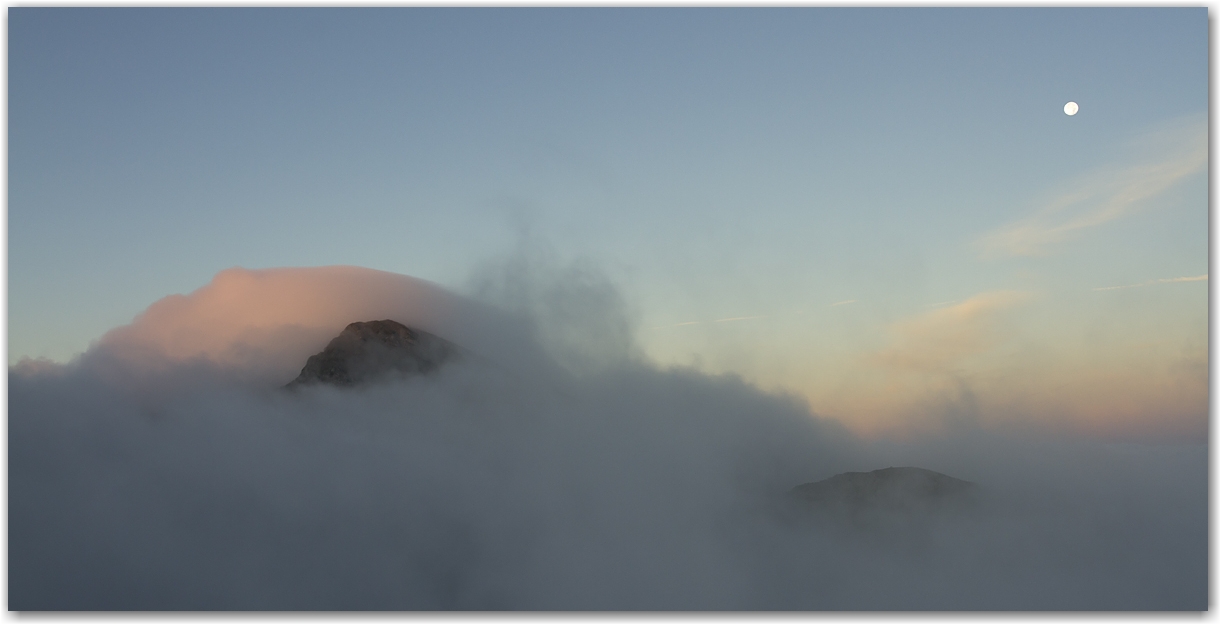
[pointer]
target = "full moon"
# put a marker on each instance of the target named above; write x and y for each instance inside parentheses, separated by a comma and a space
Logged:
(1070, 108)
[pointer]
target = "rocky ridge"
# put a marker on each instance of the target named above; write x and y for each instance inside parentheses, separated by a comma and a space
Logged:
(890, 488)
(376, 350)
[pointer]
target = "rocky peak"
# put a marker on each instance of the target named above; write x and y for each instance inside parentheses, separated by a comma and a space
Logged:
(893, 488)
(375, 350)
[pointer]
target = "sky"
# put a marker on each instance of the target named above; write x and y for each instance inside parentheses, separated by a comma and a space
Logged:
(883, 212)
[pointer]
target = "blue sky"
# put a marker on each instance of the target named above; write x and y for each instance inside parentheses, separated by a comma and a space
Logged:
(717, 163)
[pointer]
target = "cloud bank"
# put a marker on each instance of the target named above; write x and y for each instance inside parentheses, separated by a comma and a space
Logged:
(261, 325)
(165, 469)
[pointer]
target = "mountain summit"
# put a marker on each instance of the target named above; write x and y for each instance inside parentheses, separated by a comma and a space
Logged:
(375, 350)
(892, 488)
(903, 508)
(895, 505)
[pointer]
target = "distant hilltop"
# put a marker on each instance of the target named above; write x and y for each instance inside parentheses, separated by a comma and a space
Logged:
(376, 350)
(896, 489)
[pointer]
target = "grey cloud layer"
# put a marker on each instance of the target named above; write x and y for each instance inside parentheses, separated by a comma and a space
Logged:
(578, 478)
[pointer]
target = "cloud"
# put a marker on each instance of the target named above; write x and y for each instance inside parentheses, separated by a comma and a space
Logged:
(839, 303)
(723, 320)
(1196, 278)
(1179, 150)
(263, 323)
(1168, 280)
(165, 470)
(939, 339)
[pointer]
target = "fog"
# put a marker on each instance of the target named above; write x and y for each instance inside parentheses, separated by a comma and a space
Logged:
(166, 468)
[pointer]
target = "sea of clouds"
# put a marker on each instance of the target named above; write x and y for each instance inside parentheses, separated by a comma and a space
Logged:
(556, 468)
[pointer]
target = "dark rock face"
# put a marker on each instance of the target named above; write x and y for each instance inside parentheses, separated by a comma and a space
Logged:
(901, 506)
(375, 350)
(894, 488)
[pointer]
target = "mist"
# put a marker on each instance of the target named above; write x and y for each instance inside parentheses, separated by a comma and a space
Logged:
(557, 469)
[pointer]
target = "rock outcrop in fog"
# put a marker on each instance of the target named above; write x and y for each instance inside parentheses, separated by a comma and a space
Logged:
(901, 504)
(375, 350)
(895, 489)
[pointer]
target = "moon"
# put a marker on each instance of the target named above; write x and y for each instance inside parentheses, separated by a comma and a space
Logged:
(1070, 108)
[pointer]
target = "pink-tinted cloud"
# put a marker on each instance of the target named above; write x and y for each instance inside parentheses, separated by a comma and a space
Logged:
(268, 321)
(938, 339)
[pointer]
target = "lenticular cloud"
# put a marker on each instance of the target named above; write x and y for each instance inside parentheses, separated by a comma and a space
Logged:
(265, 323)
(167, 468)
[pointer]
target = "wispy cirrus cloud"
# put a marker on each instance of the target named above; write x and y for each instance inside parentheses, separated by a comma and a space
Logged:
(739, 318)
(1164, 280)
(938, 339)
(723, 320)
(1197, 278)
(1175, 151)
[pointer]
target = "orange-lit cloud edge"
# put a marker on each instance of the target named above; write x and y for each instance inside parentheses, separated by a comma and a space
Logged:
(970, 364)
